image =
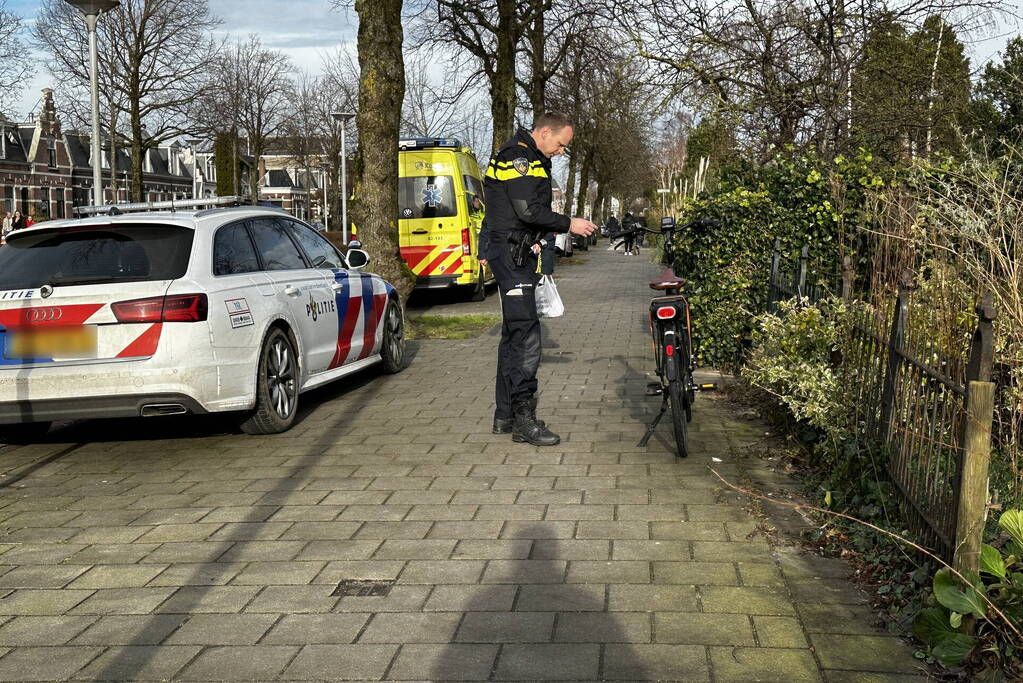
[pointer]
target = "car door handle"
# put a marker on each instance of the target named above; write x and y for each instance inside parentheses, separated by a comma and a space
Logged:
(291, 291)
(420, 232)
(337, 286)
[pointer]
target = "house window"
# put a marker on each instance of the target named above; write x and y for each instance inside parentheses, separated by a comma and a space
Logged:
(3, 143)
(52, 151)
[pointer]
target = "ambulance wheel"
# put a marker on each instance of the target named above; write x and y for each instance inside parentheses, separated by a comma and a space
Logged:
(25, 433)
(276, 386)
(479, 290)
(393, 349)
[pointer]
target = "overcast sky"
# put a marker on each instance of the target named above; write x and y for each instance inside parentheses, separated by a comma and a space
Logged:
(306, 29)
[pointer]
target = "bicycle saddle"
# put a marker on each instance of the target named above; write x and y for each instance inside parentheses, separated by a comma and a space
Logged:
(667, 280)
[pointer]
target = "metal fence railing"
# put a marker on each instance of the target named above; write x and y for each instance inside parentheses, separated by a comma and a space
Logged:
(907, 394)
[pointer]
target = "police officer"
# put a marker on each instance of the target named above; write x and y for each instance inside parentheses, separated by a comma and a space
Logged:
(517, 190)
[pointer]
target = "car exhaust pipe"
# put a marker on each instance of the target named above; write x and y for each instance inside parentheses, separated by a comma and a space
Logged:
(161, 409)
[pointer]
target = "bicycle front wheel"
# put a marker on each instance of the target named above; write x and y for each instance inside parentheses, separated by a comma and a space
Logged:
(678, 400)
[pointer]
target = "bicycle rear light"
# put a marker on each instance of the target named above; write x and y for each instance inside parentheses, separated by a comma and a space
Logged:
(669, 350)
(666, 312)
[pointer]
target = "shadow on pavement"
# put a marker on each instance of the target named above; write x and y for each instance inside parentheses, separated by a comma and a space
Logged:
(528, 624)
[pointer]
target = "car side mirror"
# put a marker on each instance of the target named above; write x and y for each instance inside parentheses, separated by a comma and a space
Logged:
(357, 258)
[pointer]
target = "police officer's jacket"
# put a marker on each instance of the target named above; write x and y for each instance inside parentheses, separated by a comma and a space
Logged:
(517, 190)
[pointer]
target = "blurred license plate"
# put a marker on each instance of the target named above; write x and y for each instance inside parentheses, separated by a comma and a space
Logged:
(51, 342)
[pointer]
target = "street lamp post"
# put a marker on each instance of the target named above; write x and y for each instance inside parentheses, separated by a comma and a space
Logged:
(343, 117)
(91, 9)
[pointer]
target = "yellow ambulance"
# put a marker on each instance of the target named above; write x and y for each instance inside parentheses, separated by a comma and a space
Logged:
(440, 211)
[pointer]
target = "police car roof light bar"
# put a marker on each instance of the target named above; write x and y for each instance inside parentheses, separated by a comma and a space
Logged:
(172, 205)
(424, 143)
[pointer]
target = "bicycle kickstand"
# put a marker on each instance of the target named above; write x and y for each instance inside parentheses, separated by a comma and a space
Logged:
(653, 425)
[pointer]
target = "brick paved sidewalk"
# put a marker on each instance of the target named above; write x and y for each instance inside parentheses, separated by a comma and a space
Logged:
(183, 552)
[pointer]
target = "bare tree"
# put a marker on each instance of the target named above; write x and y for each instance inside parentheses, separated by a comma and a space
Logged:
(158, 54)
(13, 55)
(252, 87)
(381, 91)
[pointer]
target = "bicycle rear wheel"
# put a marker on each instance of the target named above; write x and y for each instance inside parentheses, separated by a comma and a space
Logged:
(677, 399)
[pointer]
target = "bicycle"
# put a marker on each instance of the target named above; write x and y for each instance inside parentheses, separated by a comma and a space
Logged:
(671, 328)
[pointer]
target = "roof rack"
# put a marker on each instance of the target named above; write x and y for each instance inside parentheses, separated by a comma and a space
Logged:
(172, 205)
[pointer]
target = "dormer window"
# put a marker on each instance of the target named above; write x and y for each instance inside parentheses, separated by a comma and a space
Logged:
(51, 150)
(3, 143)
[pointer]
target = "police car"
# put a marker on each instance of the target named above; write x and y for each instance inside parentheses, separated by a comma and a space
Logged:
(165, 313)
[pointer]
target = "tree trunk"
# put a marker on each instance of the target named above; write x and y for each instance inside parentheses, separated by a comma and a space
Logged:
(584, 184)
(598, 204)
(381, 91)
(570, 185)
(538, 83)
(502, 81)
(138, 150)
(257, 152)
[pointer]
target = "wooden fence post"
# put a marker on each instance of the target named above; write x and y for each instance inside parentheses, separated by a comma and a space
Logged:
(975, 451)
(973, 483)
(772, 289)
(804, 258)
(848, 278)
(896, 338)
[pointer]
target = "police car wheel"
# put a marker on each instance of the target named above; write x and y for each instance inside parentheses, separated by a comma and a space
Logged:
(479, 290)
(276, 386)
(25, 433)
(393, 350)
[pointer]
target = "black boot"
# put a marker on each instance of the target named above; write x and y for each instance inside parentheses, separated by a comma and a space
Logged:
(526, 428)
(503, 425)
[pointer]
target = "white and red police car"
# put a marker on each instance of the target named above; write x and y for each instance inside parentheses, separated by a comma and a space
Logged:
(164, 313)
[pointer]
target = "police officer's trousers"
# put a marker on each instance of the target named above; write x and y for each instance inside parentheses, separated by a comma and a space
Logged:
(518, 356)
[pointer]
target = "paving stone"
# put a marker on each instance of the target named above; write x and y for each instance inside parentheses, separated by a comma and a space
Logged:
(114, 553)
(703, 629)
(545, 549)
(307, 513)
(239, 663)
(561, 598)
(22, 631)
(116, 576)
(335, 572)
(149, 629)
(652, 598)
(613, 530)
(723, 551)
(346, 662)
(742, 664)
(303, 629)
(332, 550)
(444, 662)
(424, 549)
(442, 571)
(549, 497)
(169, 533)
(498, 627)
(278, 573)
(602, 627)
(32, 602)
(847, 619)
(198, 574)
(208, 599)
(108, 534)
(466, 530)
(698, 573)
(45, 663)
(251, 513)
(42, 576)
(655, 662)
(650, 550)
(615, 571)
(293, 599)
(868, 677)
(745, 600)
(222, 629)
(255, 531)
(548, 662)
(411, 628)
(393, 530)
(525, 571)
(538, 530)
(40, 553)
(139, 662)
(779, 632)
(168, 553)
(471, 598)
(511, 512)
(864, 653)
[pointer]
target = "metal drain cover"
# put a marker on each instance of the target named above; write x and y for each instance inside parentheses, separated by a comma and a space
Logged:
(363, 588)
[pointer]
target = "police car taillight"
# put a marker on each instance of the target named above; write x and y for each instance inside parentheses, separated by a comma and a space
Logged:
(466, 247)
(184, 308)
(666, 312)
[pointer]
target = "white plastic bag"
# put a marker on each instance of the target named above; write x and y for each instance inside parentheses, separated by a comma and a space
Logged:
(548, 301)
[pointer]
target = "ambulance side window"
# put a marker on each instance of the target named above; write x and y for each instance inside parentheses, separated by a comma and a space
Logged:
(427, 197)
(473, 189)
